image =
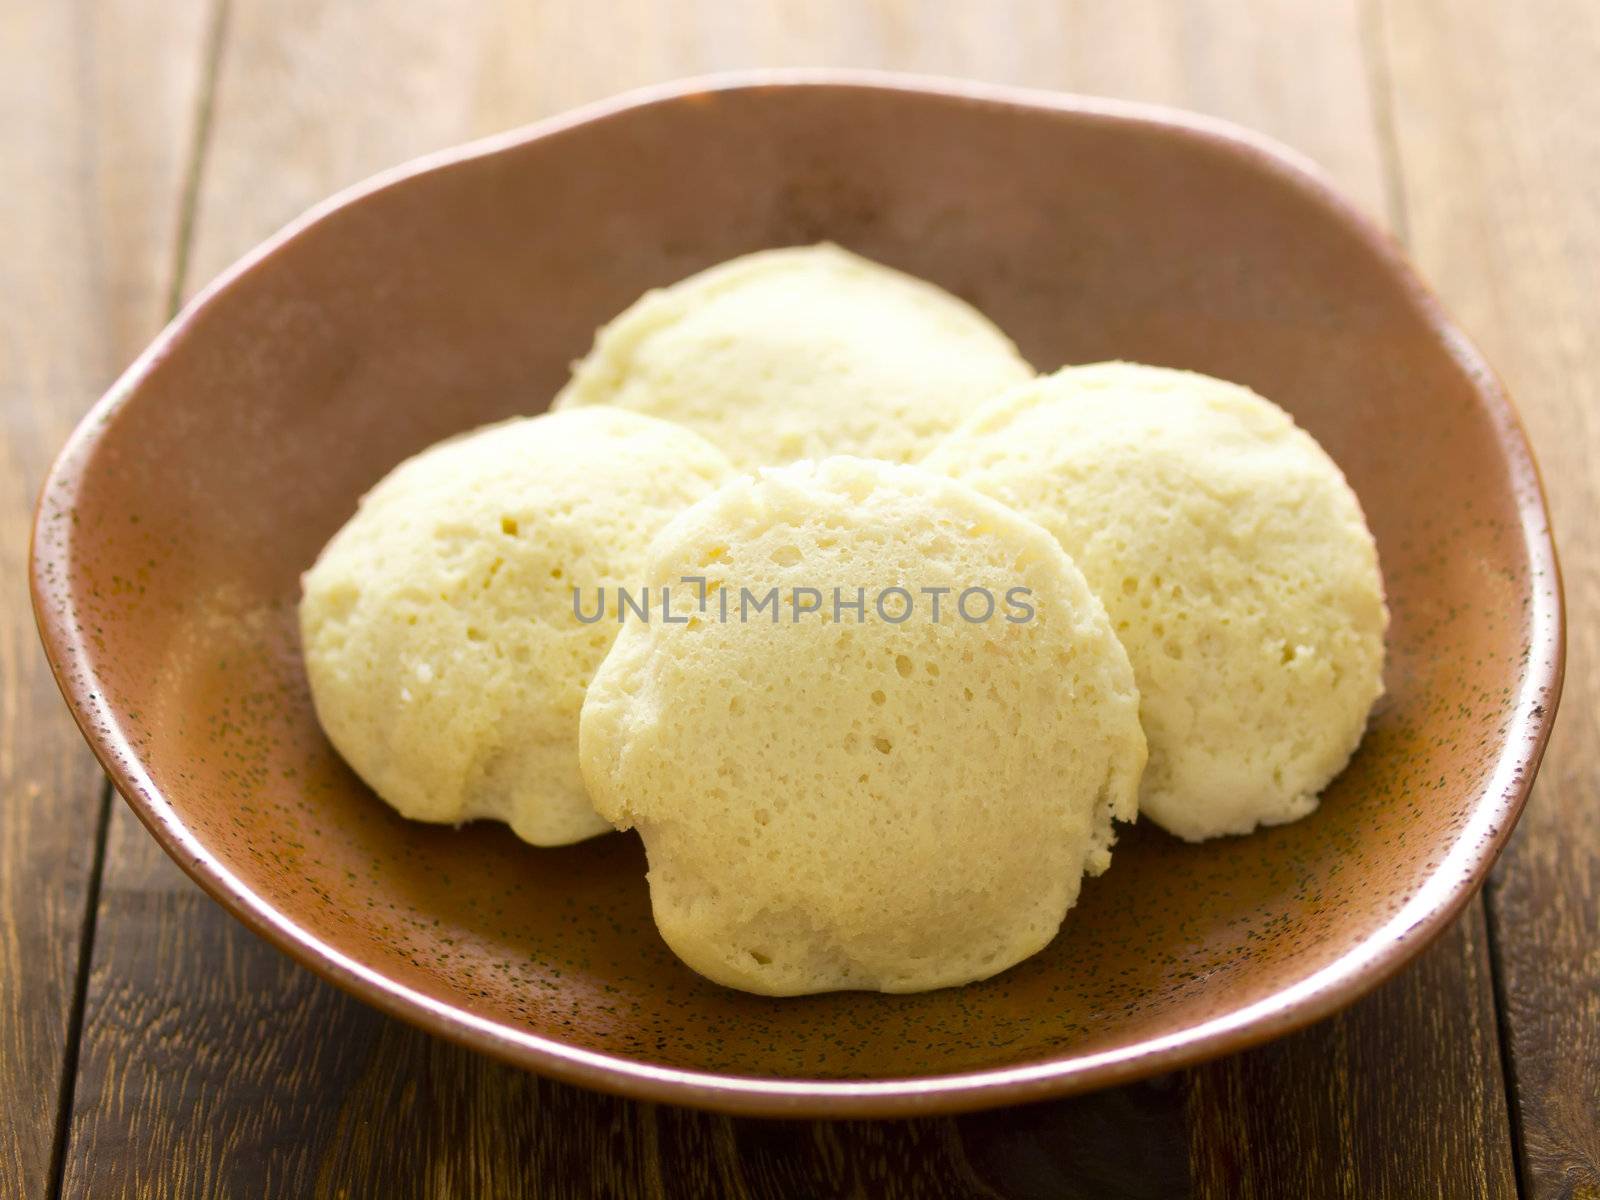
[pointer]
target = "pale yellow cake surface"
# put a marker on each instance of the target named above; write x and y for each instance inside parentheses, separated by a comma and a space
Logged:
(863, 804)
(445, 661)
(801, 353)
(1234, 561)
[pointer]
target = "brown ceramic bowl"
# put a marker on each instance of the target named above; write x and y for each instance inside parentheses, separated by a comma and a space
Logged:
(457, 290)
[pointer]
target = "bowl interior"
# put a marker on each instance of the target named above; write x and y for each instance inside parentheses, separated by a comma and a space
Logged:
(173, 536)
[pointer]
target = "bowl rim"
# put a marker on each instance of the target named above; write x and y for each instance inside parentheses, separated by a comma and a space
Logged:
(1452, 883)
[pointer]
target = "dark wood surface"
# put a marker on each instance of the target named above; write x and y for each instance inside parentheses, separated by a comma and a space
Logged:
(212, 1065)
(161, 141)
(94, 118)
(1500, 162)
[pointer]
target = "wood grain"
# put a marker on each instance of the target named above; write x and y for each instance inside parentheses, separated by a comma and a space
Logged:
(1495, 121)
(1400, 1095)
(326, 95)
(212, 1066)
(97, 108)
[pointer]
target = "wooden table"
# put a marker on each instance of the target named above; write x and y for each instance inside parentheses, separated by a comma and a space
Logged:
(150, 1047)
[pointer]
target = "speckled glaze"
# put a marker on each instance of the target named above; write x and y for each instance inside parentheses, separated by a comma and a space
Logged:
(172, 531)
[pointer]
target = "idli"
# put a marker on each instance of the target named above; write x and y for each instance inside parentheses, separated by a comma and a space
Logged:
(800, 353)
(445, 660)
(1234, 561)
(880, 740)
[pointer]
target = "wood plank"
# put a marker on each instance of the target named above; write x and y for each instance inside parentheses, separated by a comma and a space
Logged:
(92, 149)
(327, 96)
(1495, 114)
(212, 1066)
(215, 1066)
(1400, 1095)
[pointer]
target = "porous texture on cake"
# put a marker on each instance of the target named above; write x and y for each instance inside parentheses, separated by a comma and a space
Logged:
(863, 803)
(1234, 561)
(445, 661)
(800, 353)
